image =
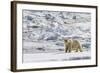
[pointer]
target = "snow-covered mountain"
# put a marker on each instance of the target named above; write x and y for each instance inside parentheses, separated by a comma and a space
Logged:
(52, 25)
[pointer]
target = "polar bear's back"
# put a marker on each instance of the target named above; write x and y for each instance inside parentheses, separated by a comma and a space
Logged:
(76, 44)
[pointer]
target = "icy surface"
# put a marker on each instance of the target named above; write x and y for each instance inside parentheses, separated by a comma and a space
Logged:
(42, 57)
(44, 33)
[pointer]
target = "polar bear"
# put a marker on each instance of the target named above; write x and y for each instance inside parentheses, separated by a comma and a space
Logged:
(72, 45)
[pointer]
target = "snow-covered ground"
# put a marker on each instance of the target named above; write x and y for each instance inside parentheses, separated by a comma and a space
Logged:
(43, 57)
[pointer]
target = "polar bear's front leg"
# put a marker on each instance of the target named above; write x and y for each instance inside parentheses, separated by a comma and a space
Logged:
(69, 46)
